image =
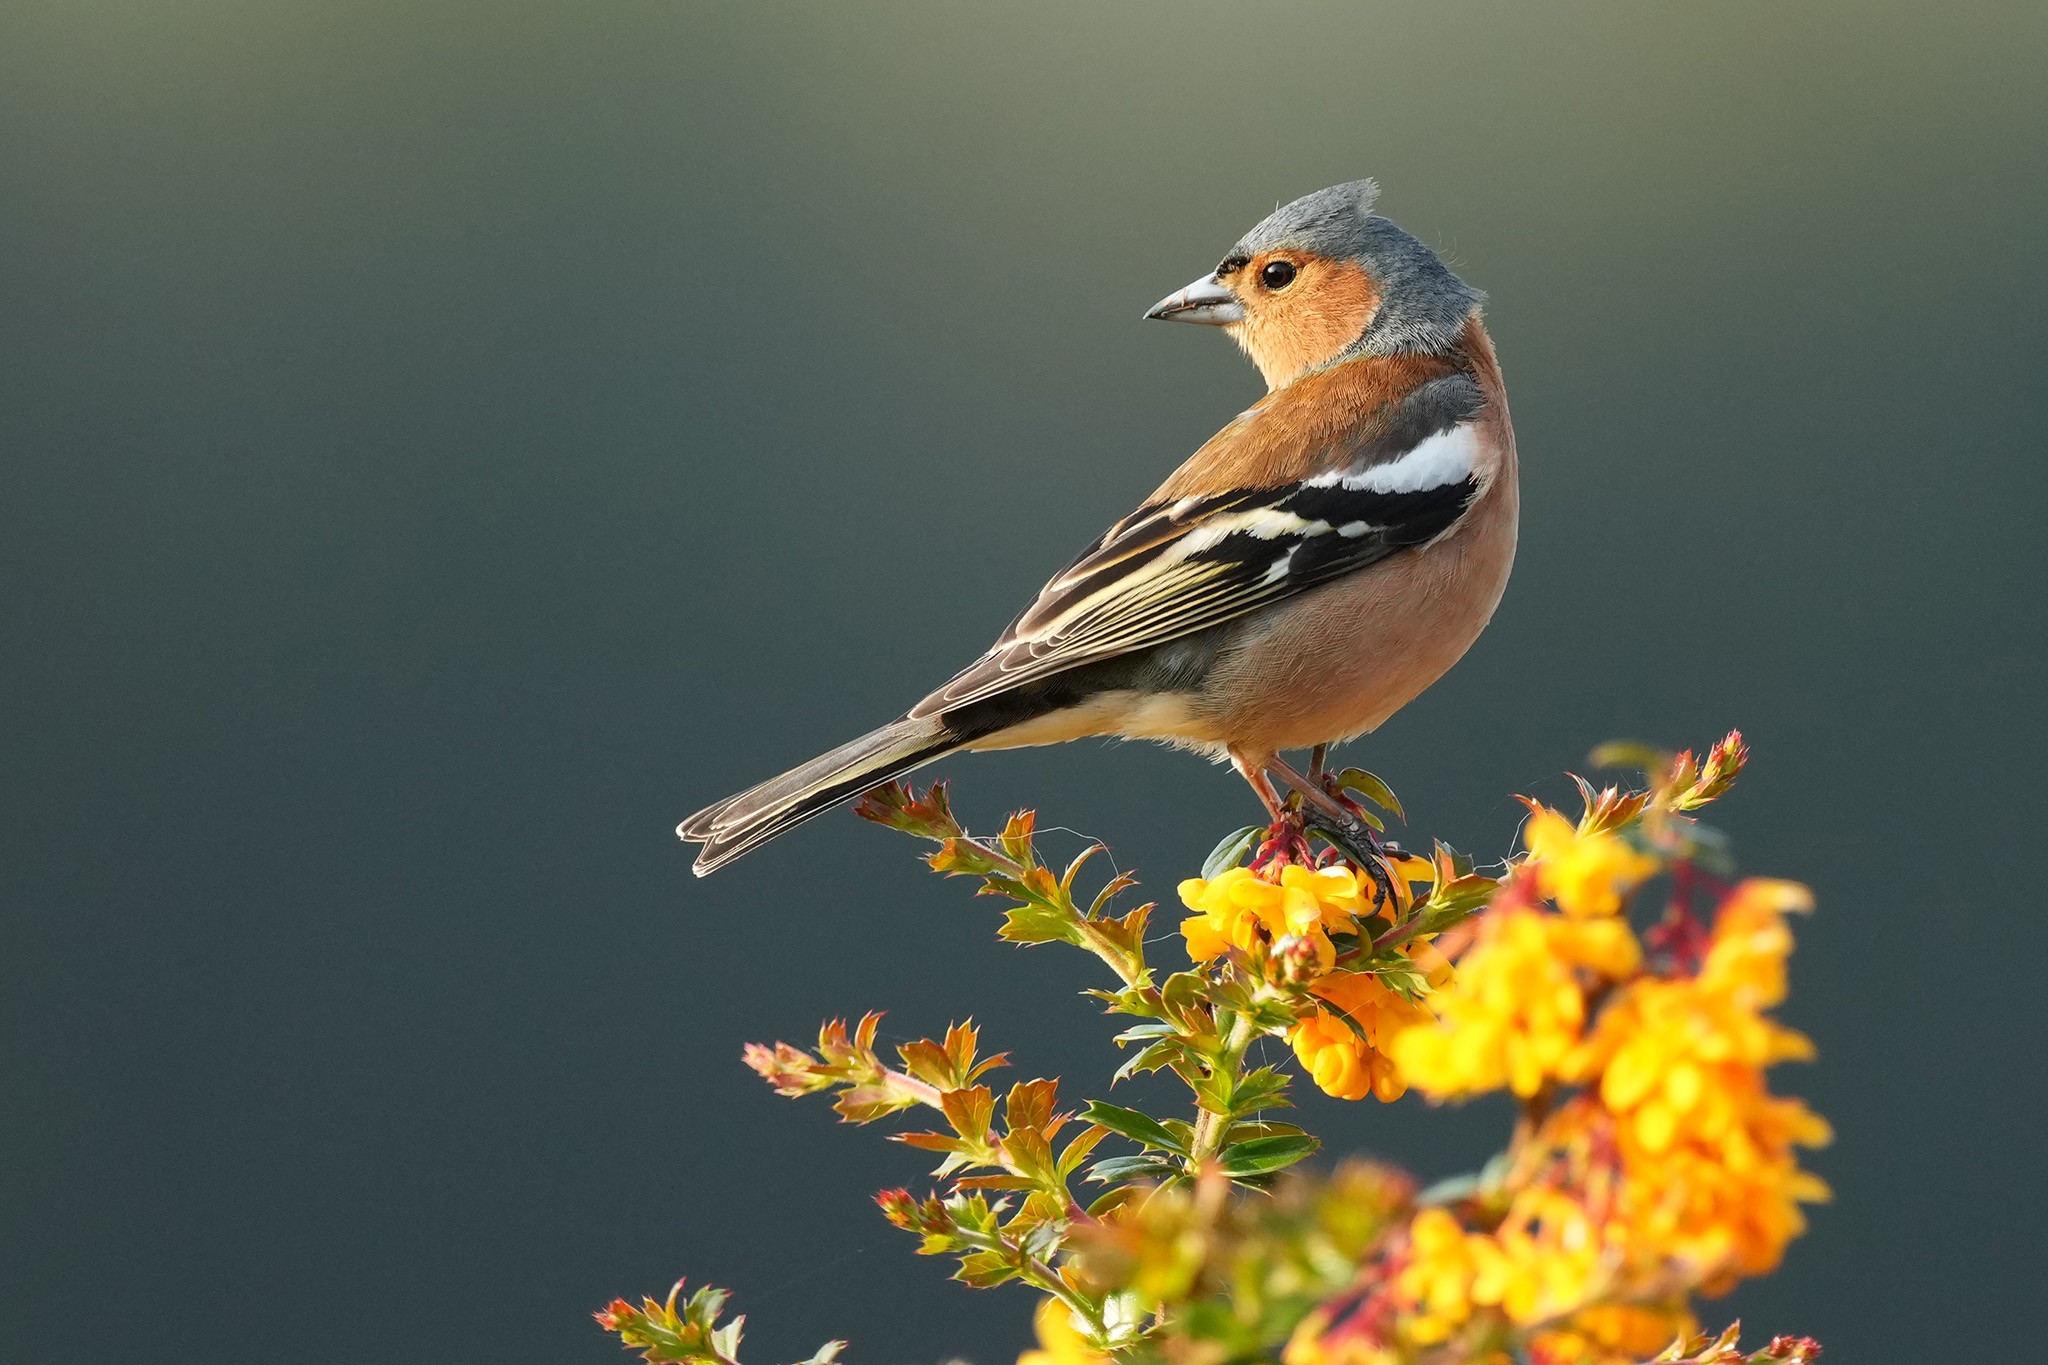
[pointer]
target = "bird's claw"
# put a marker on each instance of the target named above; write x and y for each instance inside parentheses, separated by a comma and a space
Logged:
(1361, 843)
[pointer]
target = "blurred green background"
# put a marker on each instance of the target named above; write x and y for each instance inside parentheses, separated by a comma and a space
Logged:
(445, 443)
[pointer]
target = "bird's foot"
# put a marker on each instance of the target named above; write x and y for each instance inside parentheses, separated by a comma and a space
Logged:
(1359, 843)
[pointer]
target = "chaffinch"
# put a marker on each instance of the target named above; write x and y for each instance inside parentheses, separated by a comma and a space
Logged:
(1310, 570)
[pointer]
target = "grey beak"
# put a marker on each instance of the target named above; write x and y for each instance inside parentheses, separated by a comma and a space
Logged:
(1207, 301)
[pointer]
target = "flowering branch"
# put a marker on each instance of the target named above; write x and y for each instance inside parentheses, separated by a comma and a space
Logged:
(667, 1335)
(1723, 1350)
(1650, 1162)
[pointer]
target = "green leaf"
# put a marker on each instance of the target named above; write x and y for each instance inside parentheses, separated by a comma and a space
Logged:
(1183, 991)
(1454, 900)
(1105, 1204)
(1127, 935)
(1244, 1130)
(1138, 1000)
(1460, 864)
(1077, 1151)
(1139, 1128)
(1401, 979)
(1372, 789)
(963, 857)
(1042, 1241)
(1030, 1154)
(1164, 1053)
(1017, 837)
(969, 1111)
(985, 1269)
(1138, 1033)
(1122, 881)
(1117, 1170)
(1230, 852)
(1262, 1156)
(974, 1213)
(1261, 1089)
(1036, 922)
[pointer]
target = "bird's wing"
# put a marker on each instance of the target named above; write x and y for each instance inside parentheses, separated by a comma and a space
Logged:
(1173, 568)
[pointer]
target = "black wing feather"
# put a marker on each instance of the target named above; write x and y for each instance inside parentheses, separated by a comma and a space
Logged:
(1171, 569)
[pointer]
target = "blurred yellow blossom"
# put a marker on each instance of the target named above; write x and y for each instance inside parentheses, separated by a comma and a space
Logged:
(1677, 1055)
(1314, 1342)
(1443, 1261)
(1712, 1176)
(1726, 1210)
(1752, 940)
(1586, 874)
(1675, 1170)
(1552, 1258)
(1514, 1011)
(1059, 1341)
(1545, 1260)
(1611, 1334)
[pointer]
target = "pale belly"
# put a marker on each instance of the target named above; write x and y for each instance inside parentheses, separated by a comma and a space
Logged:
(1351, 653)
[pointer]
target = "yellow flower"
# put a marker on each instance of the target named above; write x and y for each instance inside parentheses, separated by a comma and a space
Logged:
(1548, 1258)
(1722, 1222)
(1612, 1334)
(1586, 874)
(1314, 1343)
(1513, 1012)
(1680, 1055)
(1443, 1262)
(1241, 908)
(1711, 1181)
(1711, 1177)
(1751, 941)
(1332, 1052)
(1059, 1341)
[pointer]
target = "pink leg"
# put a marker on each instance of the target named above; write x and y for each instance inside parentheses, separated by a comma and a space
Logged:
(1354, 836)
(1312, 791)
(1254, 772)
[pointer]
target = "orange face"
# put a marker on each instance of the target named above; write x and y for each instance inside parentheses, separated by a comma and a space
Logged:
(1300, 310)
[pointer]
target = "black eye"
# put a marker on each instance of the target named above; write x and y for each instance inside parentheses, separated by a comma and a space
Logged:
(1277, 274)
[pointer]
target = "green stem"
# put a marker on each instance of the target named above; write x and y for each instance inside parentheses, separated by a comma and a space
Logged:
(1131, 973)
(912, 1086)
(1047, 1280)
(1039, 1276)
(1210, 1127)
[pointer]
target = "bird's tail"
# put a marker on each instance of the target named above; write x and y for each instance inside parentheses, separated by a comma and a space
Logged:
(756, 815)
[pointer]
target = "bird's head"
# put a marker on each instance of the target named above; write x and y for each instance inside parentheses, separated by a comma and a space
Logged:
(1323, 278)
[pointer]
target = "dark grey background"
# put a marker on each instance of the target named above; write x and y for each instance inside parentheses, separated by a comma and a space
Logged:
(446, 443)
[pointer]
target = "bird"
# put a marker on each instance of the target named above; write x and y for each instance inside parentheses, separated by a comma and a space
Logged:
(1310, 570)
